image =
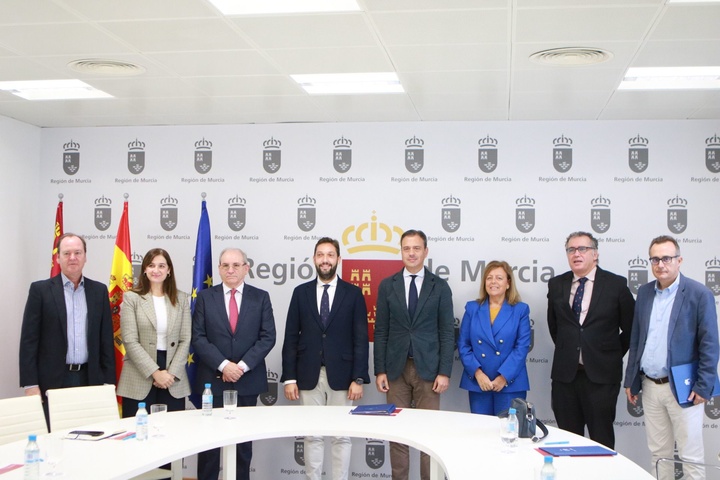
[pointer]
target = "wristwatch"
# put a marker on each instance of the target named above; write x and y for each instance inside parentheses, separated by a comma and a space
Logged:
(359, 381)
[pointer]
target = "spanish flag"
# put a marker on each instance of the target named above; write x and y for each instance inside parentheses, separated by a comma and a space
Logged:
(55, 266)
(121, 280)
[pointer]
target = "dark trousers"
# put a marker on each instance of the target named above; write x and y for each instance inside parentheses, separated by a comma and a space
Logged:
(209, 461)
(582, 402)
(156, 395)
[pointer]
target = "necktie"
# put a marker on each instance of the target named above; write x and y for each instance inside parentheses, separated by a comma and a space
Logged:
(325, 306)
(233, 311)
(577, 300)
(412, 306)
(412, 297)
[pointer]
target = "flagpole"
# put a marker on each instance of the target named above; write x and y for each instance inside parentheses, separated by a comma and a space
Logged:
(201, 279)
(57, 233)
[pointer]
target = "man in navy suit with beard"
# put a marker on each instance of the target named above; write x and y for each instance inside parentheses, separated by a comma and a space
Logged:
(325, 353)
(233, 331)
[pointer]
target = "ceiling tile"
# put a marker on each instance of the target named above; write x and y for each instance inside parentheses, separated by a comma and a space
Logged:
(331, 60)
(442, 27)
(217, 63)
(307, 31)
(572, 25)
(177, 35)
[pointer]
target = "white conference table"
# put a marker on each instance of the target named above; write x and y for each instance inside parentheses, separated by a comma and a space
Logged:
(462, 445)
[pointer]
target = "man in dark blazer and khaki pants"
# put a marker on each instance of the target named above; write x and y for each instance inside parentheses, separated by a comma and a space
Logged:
(325, 353)
(232, 358)
(590, 314)
(413, 353)
(67, 332)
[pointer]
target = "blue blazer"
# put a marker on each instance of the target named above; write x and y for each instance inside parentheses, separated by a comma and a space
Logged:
(692, 335)
(214, 342)
(498, 349)
(431, 331)
(343, 344)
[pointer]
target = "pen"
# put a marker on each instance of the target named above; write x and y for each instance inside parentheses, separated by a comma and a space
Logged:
(557, 443)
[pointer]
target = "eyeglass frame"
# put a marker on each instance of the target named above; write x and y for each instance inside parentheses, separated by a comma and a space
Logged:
(235, 266)
(583, 249)
(665, 260)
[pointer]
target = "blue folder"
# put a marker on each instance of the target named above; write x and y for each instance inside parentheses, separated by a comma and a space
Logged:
(684, 377)
(381, 409)
(579, 451)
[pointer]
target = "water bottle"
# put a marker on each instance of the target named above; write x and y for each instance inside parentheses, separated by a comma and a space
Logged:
(548, 472)
(207, 401)
(141, 422)
(32, 459)
(509, 430)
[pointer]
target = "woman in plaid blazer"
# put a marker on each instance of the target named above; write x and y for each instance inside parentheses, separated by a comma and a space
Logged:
(156, 331)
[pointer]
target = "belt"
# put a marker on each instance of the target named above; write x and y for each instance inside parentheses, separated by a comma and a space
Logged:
(658, 381)
(75, 367)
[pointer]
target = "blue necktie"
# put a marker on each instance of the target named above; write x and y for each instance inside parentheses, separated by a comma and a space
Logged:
(412, 297)
(577, 300)
(325, 306)
(412, 306)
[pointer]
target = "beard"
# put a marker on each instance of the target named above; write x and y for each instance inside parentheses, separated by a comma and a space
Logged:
(327, 275)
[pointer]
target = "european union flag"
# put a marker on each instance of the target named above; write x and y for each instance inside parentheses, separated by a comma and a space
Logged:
(202, 279)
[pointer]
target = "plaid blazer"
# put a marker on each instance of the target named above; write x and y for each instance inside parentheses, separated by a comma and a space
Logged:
(138, 326)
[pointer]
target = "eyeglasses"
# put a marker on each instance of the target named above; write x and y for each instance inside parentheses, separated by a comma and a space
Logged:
(665, 260)
(572, 250)
(235, 266)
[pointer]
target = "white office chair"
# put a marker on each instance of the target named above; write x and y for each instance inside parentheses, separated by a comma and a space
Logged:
(74, 407)
(20, 417)
(78, 406)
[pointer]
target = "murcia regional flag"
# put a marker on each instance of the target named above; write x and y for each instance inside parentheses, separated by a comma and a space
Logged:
(121, 280)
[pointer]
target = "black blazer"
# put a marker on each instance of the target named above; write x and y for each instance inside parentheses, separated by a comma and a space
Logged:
(214, 342)
(432, 331)
(343, 344)
(43, 339)
(604, 336)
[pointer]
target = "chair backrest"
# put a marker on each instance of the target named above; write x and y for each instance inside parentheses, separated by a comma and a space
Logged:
(77, 406)
(20, 417)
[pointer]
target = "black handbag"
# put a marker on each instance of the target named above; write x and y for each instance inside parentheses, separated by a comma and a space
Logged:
(527, 422)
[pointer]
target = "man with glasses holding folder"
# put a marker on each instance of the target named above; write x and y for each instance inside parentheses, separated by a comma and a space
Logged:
(675, 326)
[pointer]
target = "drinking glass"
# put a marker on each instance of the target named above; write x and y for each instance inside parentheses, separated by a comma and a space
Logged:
(157, 419)
(230, 403)
(53, 446)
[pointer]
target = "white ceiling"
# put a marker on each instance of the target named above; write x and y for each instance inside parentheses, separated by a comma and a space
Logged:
(457, 60)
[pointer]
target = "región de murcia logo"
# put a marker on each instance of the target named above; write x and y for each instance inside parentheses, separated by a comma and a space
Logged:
(677, 215)
(103, 213)
(136, 157)
(414, 154)
(236, 213)
(638, 158)
(600, 214)
(562, 154)
(168, 213)
(487, 154)
(342, 155)
(376, 239)
(71, 157)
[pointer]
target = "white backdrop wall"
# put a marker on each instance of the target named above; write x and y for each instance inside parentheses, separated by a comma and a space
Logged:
(19, 199)
(289, 185)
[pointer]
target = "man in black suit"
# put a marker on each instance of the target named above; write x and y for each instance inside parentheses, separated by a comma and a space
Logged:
(67, 332)
(414, 341)
(325, 353)
(590, 314)
(233, 331)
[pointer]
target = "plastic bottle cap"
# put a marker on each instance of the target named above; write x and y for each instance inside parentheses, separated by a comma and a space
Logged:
(548, 459)
(32, 438)
(207, 385)
(512, 411)
(141, 405)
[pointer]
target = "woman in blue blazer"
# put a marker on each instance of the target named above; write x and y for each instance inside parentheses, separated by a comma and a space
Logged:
(494, 342)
